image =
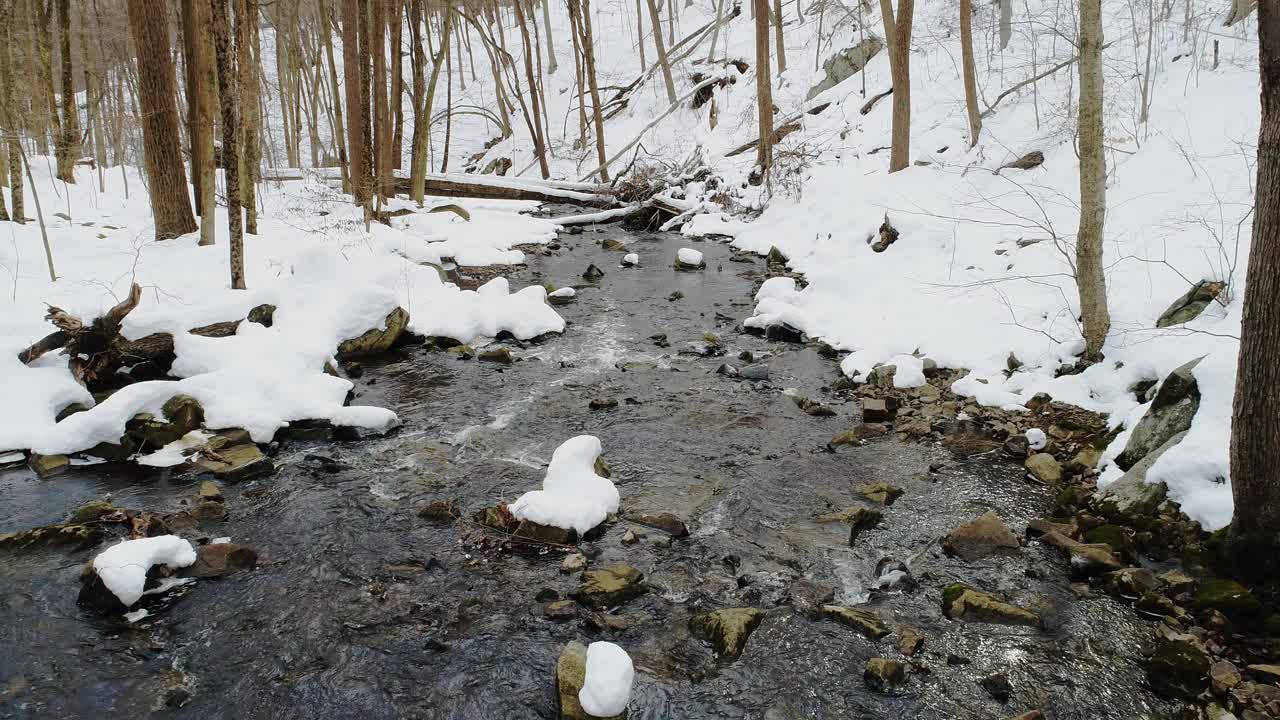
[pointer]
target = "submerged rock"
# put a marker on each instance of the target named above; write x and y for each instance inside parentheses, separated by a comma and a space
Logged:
(866, 622)
(909, 641)
(68, 535)
(884, 675)
(882, 493)
(1170, 414)
(236, 463)
(981, 538)
(863, 518)
(48, 465)
(961, 602)
(727, 630)
(501, 355)
(221, 559)
(592, 273)
(610, 586)
(665, 522)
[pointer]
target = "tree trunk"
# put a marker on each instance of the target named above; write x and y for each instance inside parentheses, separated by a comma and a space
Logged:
(228, 94)
(246, 34)
(1093, 172)
(157, 89)
(589, 60)
(201, 80)
(11, 117)
(764, 92)
(396, 25)
(551, 47)
(777, 26)
(381, 110)
(422, 115)
(898, 33)
(662, 49)
(340, 130)
(970, 82)
(1255, 417)
(1006, 22)
(351, 62)
(69, 143)
(533, 116)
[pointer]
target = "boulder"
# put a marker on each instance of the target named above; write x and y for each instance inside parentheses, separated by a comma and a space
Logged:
(1230, 598)
(727, 630)
(884, 675)
(1178, 669)
(875, 410)
(909, 641)
(1044, 467)
(1191, 304)
(68, 535)
(501, 355)
(376, 340)
(48, 465)
(866, 622)
(221, 559)
(210, 492)
(1086, 560)
(91, 511)
(236, 463)
(882, 493)
(1170, 414)
(610, 586)
(665, 522)
(1030, 161)
(571, 673)
(1131, 495)
(573, 562)
(961, 602)
(184, 412)
(980, 538)
(613, 244)
(540, 534)
(863, 518)
(840, 67)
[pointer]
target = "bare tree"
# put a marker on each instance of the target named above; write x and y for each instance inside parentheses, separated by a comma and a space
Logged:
(898, 33)
(229, 97)
(777, 25)
(533, 116)
(764, 92)
(662, 48)
(356, 129)
(202, 77)
(157, 91)
(970, 82)
(1255, 417)
(11, 115)
(68, 147)
(1093, 170)
(246, 37)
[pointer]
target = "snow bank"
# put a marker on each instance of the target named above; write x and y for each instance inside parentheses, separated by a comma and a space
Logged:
(573, 496)
(123, 567)
(606, 689)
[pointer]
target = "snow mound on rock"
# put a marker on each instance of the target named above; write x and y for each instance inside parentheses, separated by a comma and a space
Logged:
(573, 496)
(689, 256)
(123, 567)
(606, 688)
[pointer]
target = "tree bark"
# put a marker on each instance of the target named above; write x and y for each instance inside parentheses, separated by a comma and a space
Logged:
(662, 49)
(551, 47)
(228, 82)
(351, 61)
(589, 60)
(246, 35)
(157, 90)
(68, 149)
(1255, 417)
(764, 92)
(777, 28)
(11, 116)
(898, 33)
(422, 115)
(395, 22)
(970, 82)
(1093, 171)
(533, 117)
(201, 80)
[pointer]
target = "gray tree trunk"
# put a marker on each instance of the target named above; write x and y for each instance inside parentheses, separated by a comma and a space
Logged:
(1093, 170)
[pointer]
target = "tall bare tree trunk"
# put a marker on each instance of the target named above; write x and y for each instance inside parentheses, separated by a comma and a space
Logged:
(898, 33)
(228, 81)
(396, 24)
(351, 62)
(202, 77)
(970, 82)
(777, 26)
(662, 50)
(10, 113)
(381, 110)
(340, 130)
(589, 60)
(551, 47)
(246, 34)
(422, 115)
(1093, 175)
(1255, 417)
(640, 36)
(157, 90)
(1006, 22)
(69, 143)
(533, 116)
(764, 92)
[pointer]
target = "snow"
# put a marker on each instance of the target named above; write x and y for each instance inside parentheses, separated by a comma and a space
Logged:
(1036, 439)
(689, 256)
(630, 259)
(909, 372)
(573, 496)
(564, 292)
(312, 259)
(606, 689)
(123, 567)
(176, 452)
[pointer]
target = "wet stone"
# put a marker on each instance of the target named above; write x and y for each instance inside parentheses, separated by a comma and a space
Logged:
(560, 610)
(862, 519)
(210, 492)
(727, 630)
(882, 493)
(875, 410)
(884, 675)
(602, 404)
(573, 562)
(961, 602)
(866, 622)
(997, 686)
(571, 673)
(1178, 669)
(981, 538)
(222, 559)
(610, 586)
(500, 355)
(1044, 467)
(909, 641)
(439, 511)
(665, 522)
(48, 465)
(236, 463)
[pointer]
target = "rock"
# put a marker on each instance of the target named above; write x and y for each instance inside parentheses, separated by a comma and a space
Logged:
(91, 511)
(602, 404)
(888, 236)
(67, 535)
(560, 610)
(981, 538)
(754, 372)
(592, 273)
(439, 511)
(376, 340)
(866, 622)
(840, 67)
(463, 352)
(808, 597)
(1119, 538)
(688, 259)
(221, 559)
(1191, 304)
(610, 586)
(1230, 598)
(882, 493)
(1085, 459)
(875, 410)
(540, 534)
(1131, 582)
(563, 296)
(784, 332)
(675, 295)
(48, 465)
(1030, 161)
(210, 492)
(1223, 677)
(613, 244)
(863, 518)
(629, 537)
(727, 370)
(573, 562)
(209, 512)
(95, 596)
(775, 258)
(812, 407)
(961, 602)
(997, 686)
(909, 641)
(1178, 669)
(1170, 414)
(236, 463)
(1157, 605)
(1044, 467)
(1086, 560)
(571, 673)
(1269, 673)
(884, 675)
(665, 522)
(501, 355)
(1131, 496)
(1040, 526)
(727, 630)
(183, 412)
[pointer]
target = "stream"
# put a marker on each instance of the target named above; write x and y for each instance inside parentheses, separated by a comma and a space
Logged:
(359, 608)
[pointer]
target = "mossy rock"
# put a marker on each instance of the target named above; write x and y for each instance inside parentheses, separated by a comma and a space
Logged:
(884, 675)
(602, 468)
(1230, 598)
(91, 511)
(376, 340)
(1119, 538)
(727, 630)
(882, 493)
(610, 587)
(235, 463)
(184, 412)
(862, 519)
(1178, 669)
(962, 602)
(48, 465)
(866, 622)
(571, 673)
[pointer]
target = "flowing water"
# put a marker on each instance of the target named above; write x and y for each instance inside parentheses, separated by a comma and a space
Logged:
(362, 609)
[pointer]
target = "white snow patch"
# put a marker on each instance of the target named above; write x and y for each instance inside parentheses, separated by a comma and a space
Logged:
(573, 496)
(630, 259)
(606, 689)
(176, 452)
(564, 292)
(689, 256)
(1036, 439)
(123, 567)
(909, 373)
(137, 615)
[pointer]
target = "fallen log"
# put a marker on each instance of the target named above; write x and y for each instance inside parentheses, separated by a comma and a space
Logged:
(870, 105)
(487, 190)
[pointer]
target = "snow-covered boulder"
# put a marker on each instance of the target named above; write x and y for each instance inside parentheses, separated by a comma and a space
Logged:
(563, 296)
(689, 259)
(573, 496)
(630, 260)
(117, 577)
(606, 687)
